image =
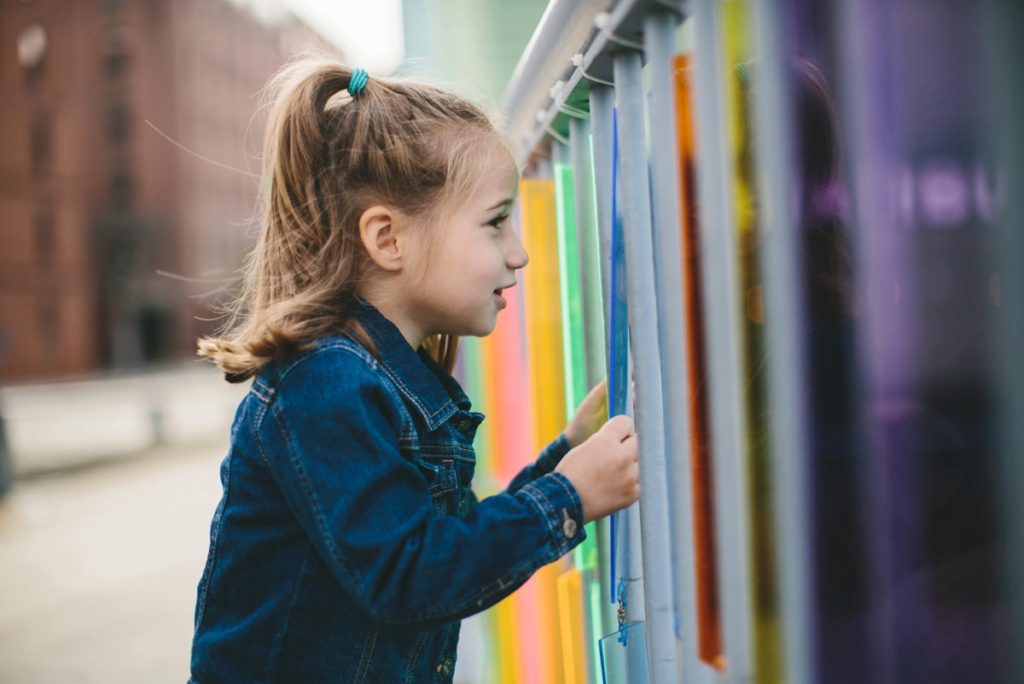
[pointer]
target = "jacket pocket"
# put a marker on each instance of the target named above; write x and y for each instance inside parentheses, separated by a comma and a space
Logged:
(443, 477)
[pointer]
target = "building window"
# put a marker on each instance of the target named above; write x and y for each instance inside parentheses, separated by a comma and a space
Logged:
(48, 317)
(45, 234)
(121, 189)
(118, 123)
(116, 57)
(40, 136)
(116, 64)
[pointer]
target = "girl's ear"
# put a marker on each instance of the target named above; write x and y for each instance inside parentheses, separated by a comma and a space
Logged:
(379, 233)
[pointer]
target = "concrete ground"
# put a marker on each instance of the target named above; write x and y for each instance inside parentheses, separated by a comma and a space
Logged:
(99, 566)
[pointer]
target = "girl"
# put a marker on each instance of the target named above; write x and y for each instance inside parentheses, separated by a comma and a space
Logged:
(348, 543)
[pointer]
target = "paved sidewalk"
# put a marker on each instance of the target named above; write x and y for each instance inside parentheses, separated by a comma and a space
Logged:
(98, 569)
(99, 566)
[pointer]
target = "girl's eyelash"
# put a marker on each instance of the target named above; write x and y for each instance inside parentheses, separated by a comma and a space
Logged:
(496, 220)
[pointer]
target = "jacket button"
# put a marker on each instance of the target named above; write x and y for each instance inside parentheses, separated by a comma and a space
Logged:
(464, 425)
(569, 526)
(446, 666)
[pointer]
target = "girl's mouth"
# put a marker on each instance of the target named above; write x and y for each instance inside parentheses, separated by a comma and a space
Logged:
(499, 300)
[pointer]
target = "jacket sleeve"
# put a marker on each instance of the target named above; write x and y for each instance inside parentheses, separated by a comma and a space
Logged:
(545, 463)
(331, 440)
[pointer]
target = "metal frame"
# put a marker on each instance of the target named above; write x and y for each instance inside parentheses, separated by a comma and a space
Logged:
(568, 29)
(560, 76)
(565, 25)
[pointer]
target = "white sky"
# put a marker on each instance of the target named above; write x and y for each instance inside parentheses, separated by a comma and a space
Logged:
(368, 31)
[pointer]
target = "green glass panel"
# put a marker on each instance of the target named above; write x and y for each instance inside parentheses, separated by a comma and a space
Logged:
(573, 331)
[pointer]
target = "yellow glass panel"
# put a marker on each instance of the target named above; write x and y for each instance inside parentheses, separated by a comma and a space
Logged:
(767, 637)
(545, 388)
(570, 611)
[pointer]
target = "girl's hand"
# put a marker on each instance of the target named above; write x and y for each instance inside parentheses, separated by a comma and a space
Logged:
(605, 469)
(590, 416)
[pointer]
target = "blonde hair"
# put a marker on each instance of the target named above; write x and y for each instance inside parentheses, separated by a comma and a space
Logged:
(329, 156)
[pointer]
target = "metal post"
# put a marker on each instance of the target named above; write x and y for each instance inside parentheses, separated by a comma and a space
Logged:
(636, 610)
(602, 106)
(659, 44)
(643, 333)
(785, 342)
(632, 560)
(602, 103)
(1006, 23)
(728, 408)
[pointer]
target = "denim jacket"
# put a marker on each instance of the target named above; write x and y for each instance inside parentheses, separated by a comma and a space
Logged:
(348, 544)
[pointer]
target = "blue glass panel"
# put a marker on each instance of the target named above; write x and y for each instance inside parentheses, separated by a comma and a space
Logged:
(624, 656)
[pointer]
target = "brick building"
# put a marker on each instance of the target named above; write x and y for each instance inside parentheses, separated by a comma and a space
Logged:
(97, 204)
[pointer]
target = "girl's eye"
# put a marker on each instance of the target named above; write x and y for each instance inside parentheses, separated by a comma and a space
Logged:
(497, 221)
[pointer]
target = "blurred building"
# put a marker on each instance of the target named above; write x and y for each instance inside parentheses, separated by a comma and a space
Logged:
(129, 145)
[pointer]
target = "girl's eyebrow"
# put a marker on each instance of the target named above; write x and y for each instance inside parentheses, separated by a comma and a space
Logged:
(508, 201)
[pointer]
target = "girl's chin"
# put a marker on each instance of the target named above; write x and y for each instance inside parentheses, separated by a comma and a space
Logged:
(484, 331)
(480, 328)
(487, 326)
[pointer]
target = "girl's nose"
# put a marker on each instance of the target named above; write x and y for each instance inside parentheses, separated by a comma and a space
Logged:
(517, 256)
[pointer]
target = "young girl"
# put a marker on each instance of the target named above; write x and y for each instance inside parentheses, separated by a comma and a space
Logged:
(348, 543)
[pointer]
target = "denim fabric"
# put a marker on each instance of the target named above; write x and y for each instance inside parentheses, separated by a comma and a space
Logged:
(348, 544)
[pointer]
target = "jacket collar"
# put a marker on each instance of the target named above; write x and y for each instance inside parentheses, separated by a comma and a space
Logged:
(434, 393)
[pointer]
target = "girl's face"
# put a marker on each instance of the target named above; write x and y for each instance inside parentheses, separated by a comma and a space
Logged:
(472, 259)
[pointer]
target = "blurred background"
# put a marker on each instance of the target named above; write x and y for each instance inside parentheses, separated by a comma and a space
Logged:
(130, 137)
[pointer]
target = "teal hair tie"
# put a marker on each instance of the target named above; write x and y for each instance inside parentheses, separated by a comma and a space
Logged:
(357, 82)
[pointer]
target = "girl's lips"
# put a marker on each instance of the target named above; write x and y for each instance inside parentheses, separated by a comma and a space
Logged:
(500, 301)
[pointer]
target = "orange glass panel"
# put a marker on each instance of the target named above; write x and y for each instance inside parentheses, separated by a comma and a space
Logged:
(708, 618)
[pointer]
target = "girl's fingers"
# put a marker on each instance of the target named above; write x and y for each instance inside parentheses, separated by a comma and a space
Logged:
(620, 427)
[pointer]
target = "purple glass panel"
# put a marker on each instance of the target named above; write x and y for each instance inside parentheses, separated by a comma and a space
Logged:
(895, 197)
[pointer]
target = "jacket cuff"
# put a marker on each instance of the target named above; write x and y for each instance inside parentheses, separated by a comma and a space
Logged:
(559, 504)
(552, 454)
